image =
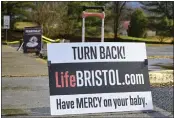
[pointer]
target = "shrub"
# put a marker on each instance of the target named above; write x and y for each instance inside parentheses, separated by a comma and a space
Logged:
(164, 29)
(138, 24)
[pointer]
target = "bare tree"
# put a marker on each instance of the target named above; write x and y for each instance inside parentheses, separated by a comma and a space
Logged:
(52, 17)
(117, 8)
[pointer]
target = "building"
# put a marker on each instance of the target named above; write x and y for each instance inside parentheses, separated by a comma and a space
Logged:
(124, 25)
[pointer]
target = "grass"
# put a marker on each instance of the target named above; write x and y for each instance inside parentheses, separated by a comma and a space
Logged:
(22, 25)
(12, 112)
(157, 45)
(134, 38)
(169, 67)
(148, 39)
(168, 84)
(15, 88)
(160, 57)
(154, 39)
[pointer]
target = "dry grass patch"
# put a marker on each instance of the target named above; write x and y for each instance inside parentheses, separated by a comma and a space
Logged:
(13, 112)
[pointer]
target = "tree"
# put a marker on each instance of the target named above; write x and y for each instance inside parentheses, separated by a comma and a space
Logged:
(92, 24)
(138, 24)
(113, 11)
(52, 17)
(166, 24)
(18, 11)
(158, 11)
(64, 18)
(117, 8)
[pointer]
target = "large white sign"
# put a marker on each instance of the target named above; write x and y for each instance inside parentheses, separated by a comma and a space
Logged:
(98, 103)
(6, 22)
(98, 77)
(96, 52)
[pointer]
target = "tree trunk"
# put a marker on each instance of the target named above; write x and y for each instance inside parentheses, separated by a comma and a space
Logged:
(116, 19)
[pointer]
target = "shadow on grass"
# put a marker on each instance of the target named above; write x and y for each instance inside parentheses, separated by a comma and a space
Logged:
(167, 66)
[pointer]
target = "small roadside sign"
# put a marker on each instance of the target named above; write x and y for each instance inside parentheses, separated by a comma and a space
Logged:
(98, 77)
(6, 22)
(32, 39)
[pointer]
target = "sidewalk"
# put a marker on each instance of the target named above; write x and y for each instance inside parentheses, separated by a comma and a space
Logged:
(17, 64)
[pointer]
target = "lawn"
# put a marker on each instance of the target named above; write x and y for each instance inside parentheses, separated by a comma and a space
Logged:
(21, 25)
(149, 39)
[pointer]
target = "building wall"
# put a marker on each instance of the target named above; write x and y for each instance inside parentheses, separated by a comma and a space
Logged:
(151, 33)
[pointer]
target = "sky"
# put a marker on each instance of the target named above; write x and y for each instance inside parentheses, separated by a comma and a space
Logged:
(134, 4)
